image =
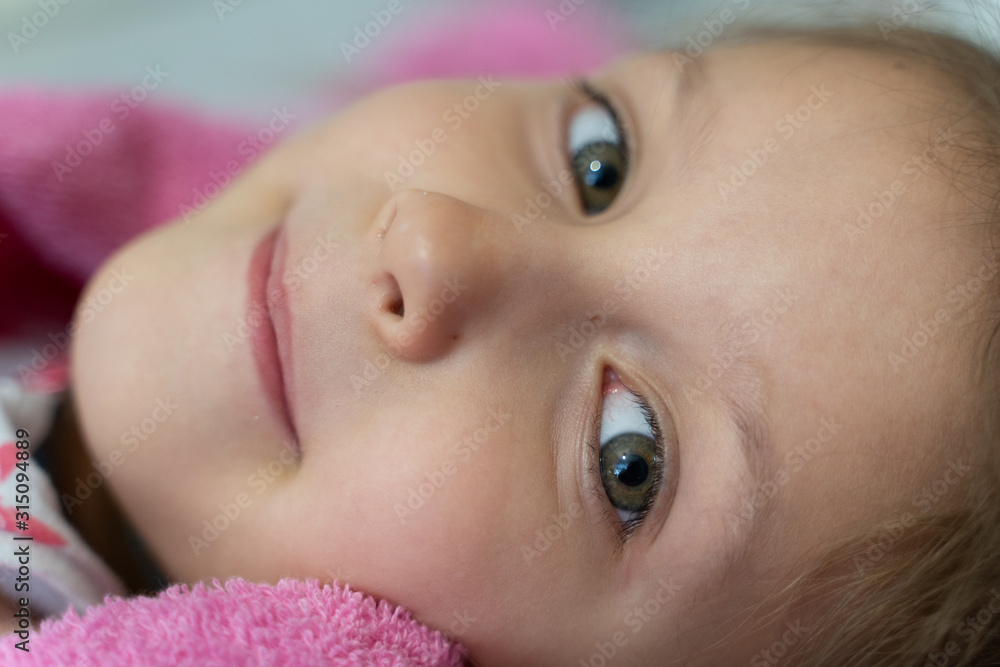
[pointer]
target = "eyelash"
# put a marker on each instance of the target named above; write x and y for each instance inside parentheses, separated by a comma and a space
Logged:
(585, 88)
(625, 530)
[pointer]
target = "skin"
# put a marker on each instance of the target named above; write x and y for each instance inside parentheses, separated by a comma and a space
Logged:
(701, 266)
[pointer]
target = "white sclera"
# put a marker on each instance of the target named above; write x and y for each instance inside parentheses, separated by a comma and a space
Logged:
(622, 414)
(590, 125)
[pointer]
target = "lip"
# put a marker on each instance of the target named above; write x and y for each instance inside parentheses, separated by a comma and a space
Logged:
(269, 318)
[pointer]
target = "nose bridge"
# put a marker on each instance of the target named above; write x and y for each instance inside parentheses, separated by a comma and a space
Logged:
(440, 260)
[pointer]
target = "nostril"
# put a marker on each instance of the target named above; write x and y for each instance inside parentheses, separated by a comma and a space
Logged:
(392, 296)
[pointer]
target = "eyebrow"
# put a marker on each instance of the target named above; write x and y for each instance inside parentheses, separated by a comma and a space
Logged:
(746, 401)
(695, 109)
(691, 82)
(744, 396)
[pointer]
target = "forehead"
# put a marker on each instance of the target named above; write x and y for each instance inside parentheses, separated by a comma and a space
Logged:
(772, 145)
(810, 172)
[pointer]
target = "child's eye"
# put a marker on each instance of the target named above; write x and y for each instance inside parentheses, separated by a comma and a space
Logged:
(631, 453)
(597, 150)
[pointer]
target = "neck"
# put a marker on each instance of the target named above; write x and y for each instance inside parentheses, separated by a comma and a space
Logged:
(98, 517)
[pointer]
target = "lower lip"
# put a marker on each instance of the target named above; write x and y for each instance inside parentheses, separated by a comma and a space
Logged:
(269, 326)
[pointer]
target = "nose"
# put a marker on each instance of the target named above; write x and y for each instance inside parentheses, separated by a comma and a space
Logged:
(440, 262)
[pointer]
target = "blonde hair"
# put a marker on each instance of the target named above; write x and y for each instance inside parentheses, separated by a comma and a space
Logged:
(924, 591)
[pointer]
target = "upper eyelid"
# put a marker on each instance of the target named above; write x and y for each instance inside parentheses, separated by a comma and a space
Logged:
(607, 99)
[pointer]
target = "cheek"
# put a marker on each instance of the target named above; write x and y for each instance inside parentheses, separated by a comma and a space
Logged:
(397, 132)
(420, 493)
(482, 548)
(99, 355)
(163, 403)
(427, 521)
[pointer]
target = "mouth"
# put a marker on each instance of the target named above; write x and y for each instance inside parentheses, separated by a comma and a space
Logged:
(269, 320)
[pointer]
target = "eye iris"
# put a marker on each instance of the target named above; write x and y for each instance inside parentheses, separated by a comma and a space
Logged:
(599, 166)
(626, 462)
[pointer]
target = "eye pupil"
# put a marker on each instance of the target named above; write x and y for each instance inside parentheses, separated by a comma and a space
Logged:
(631, 470)
(601, 176)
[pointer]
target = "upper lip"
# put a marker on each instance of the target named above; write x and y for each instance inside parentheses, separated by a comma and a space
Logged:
(269, 319)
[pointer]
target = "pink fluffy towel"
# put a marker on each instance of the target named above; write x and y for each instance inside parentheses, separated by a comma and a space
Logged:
(292, 623)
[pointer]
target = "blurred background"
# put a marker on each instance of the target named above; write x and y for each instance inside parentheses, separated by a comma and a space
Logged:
(242, 57)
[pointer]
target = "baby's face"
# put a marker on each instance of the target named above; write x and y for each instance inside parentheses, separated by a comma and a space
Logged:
(466, 323)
